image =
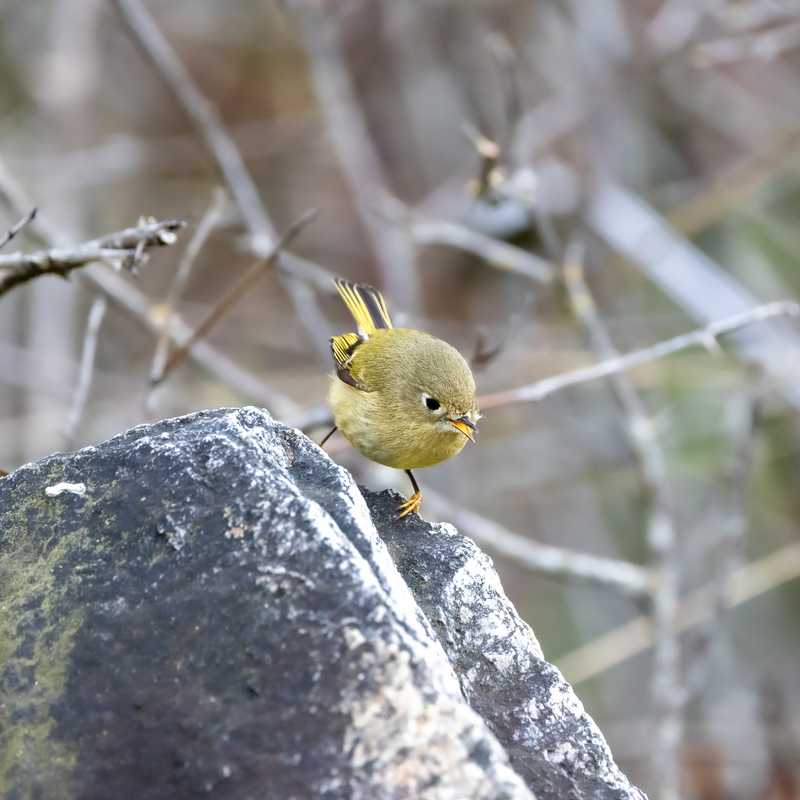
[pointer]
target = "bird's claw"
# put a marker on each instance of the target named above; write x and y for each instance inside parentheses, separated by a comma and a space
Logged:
(411, 506)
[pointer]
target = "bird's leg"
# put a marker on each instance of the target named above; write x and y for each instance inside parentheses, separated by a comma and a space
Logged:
(414, 502)
(328, 436)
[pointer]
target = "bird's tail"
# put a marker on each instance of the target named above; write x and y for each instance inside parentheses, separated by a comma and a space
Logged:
(365, 304)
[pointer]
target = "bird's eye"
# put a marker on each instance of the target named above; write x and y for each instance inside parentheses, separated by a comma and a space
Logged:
(431, 402)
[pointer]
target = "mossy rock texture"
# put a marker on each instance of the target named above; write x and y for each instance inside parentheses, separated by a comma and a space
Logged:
(216, 613)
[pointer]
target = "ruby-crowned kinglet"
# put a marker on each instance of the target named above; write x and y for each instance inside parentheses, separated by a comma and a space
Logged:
(402, 397)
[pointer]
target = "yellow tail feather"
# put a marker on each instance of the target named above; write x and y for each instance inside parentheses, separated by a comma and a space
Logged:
(365, 304)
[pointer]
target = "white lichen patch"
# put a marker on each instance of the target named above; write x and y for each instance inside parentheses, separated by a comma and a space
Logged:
(58, 489)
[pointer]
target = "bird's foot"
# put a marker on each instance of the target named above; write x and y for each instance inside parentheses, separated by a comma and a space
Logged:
(411, 506)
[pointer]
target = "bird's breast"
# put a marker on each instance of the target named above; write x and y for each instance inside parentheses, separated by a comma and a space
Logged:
(373, 428)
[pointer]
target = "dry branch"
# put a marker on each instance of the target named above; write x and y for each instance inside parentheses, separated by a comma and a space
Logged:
(635, 637)
(235, 293)
(17, 268)
(668, 691)
(95, 319)
(358, 157)
(494, 252)
(222, 147)
(555, 562)
(701, 337)
(16, 228)
(184, 269)
(129, 298)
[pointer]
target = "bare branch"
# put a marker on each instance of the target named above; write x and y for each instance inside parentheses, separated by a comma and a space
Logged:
(732, 524)
(235, 293)
(95, 319)
(202, 113)
(207, 224)
(494, 252)
(629, 224)
(229, 160)
(17, 268)
(359, 159)
(555, 562)
(635, 637)
(126, 296)
(15, 229)
(760, 46)
(668, 693)
(701, 337)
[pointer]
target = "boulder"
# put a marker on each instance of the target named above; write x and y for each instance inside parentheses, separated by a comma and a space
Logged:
(208, 605)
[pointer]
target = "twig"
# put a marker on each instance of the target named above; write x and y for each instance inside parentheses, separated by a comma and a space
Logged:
(636, 636)
(359, 159)
(202, 113)
(733, 187)
(234, 293)
(131, 300)
(489, 171)
(17, 268)
(94, 321)
(668, 693)
(733, 528)
(208, 222)
(687, 275)
(127, 297)
(761, 46)
(494, 252)
(15, 229)
(227, 156)
(556, 562)
(701, 337)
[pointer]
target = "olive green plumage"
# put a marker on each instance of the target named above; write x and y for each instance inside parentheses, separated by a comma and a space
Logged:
(402, 397)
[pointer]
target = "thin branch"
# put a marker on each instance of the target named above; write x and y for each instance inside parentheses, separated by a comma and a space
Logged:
(733, 526)
(223, 149)
(351, 139)
(154, 45)
(15, 229)
(701, 337)
(127, 297)
(235, 293)
(135, 303)
(760, 46)
(668, 693)
(733, 187)
(94, 321)
(208, 222)
(555, 562)
(17, 268)
(705, 291)
(635, 637)
(494, 252)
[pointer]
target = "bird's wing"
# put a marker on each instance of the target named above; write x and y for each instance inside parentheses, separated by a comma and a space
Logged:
(343, 347)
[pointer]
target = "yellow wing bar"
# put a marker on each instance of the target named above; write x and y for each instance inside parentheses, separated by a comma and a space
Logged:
(342, 347)
(365, 304)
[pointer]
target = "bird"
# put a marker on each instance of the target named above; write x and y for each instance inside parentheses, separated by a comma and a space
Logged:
(400, 396)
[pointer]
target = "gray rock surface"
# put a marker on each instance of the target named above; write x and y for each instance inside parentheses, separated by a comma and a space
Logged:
(215, 614)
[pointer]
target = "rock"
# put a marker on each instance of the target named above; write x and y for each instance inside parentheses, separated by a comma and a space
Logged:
(534, 713)
(214, 613)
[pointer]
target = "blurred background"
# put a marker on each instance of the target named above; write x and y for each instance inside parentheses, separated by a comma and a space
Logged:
(538, 182)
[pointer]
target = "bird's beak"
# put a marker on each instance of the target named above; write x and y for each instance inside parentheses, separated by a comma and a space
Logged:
(466, 426)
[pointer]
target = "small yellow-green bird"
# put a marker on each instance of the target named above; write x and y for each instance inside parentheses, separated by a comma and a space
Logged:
(400, 396)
